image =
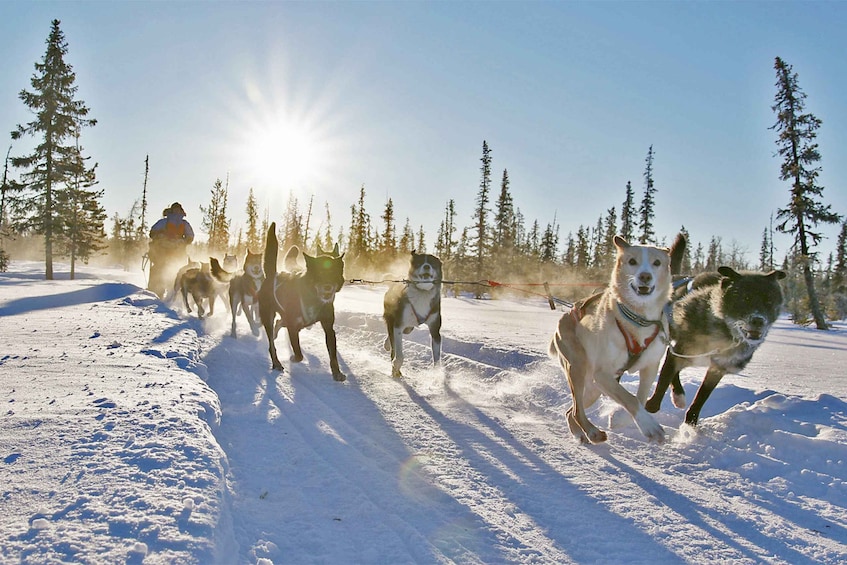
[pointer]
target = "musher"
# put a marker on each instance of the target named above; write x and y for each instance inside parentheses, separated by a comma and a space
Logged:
(169, 238)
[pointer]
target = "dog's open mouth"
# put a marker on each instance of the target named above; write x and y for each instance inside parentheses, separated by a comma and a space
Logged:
(643, 289)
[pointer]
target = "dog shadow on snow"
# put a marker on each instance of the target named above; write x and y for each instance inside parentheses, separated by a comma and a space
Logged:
(563, 511)
(553, 500)
(301, 419)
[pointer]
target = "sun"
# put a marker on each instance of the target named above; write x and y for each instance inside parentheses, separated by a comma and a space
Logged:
(284, 154)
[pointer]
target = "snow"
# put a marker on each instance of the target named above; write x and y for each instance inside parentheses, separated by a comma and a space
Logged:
(134, 432)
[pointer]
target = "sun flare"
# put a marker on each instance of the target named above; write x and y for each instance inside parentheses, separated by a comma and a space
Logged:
(284, 154)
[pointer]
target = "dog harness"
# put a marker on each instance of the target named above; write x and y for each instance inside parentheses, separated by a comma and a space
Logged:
(634, 349)
(418, 317)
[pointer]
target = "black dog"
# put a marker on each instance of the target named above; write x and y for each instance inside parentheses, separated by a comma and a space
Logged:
(300, 299)
(411, 303)
(718, 321)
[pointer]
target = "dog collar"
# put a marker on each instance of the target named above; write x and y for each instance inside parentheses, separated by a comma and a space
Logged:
(635, 318)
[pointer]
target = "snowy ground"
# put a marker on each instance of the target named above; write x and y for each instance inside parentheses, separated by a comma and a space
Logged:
(132, 432)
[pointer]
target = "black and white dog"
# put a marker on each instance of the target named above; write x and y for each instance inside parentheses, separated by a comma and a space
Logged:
(411, 303)
(300, 299)
(718, 321)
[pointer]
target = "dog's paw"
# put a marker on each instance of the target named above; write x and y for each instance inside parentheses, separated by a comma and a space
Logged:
(395, 372)
(339, 377)
(678, 400)
(651, 429)
(255, 331)
(296, 358)
(386, 344)
(653, 405)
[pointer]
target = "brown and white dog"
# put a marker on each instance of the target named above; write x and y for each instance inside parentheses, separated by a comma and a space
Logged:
(411, 303)
(300, 299)
(243, 289)
(622, 329)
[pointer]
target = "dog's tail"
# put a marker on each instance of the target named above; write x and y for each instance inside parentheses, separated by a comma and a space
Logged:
(290, 261)
(271, 251)
(677, 252)
(218, 271)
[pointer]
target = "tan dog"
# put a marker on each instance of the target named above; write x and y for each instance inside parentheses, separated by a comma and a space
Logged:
(622, 329)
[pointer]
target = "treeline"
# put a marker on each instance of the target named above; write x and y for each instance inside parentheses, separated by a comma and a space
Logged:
(55, 203)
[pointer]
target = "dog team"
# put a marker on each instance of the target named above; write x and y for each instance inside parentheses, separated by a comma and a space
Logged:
(646, 314)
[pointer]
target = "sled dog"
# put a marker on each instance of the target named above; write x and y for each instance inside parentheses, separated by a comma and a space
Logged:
(300, 299)
(243, 289)
(200, 284)
(622, 329)
(719, 323)
(411, 303)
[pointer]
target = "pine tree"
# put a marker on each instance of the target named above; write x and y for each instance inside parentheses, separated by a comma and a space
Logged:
(648, 203)
(214, 220)
(839, 273)
(796, 141)
(549, 248)
(607, 252)
(142, 227)
(407, 240)
(628, 214)
(597, 243)
(764, 257)
(58, 117)
(481, 213)
(446, 242)
(582, 252)
(253, 237)
(327, 239)
(389, 232)
(504, 219)
(291, 229)
(421, 245)
(359, 239)
(569, 257)
(81, 213)
(714, 257)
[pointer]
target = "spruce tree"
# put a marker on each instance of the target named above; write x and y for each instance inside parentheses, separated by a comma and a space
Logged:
(481, 213)
(797, 132)
(550, 243)
(389, 233)
(764, 257)
(253, 237)
(446, 241)
(607, 252)
(648, 203)
(58, 118)
(214, 220)
(504, 219)
(82, 215)
(628, 214)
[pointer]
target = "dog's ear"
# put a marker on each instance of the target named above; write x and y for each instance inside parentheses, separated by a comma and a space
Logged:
(728, 272)
(414, 252)
(335, 250)
(621, 243)
(320, 249)
(778, 274)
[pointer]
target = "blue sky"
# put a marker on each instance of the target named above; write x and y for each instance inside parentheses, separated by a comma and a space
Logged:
(321, 97)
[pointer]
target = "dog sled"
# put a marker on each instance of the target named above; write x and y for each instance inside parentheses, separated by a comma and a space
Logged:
(164, 258)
